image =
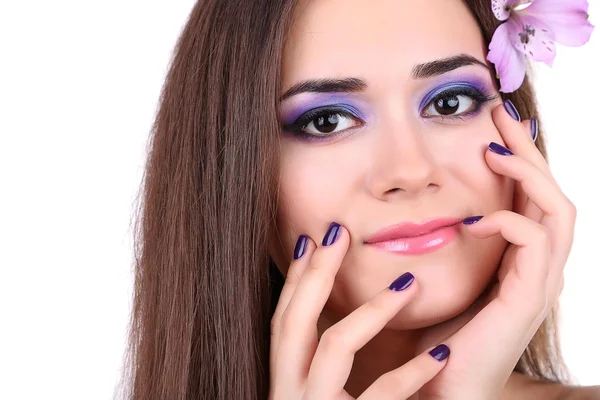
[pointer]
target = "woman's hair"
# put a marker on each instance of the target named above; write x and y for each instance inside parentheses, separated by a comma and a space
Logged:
(205, 286)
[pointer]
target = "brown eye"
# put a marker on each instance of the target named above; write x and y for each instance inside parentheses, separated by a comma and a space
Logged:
(447, 106)
(328, 122)
(450, 105)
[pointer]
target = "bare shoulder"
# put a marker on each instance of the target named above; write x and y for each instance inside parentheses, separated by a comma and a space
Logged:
(522, 387)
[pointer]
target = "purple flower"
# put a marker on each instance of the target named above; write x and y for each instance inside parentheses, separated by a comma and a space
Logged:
(531, 29)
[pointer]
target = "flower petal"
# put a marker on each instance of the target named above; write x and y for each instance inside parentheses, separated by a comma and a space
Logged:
(568, 19)
(510, 64)
(502, 8)
(534, 39)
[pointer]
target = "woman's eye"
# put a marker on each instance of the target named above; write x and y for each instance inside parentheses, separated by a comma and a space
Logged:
(326, 123)
(450, 105)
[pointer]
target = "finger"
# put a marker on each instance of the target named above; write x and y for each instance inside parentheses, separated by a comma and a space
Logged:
(405, 381)
(524, 206)
(500, 334)
(559, 212)
(333, 359)
(517, 310)
(520, 138)
(532, 211)
(303, 251)
(298, 334)
(532, 264)
(517, 136)
(533, 126)
(537, 186)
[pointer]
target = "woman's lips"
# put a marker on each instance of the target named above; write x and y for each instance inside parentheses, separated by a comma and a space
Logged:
(420, 244)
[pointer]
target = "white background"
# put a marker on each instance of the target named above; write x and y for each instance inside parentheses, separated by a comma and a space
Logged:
(79, 84)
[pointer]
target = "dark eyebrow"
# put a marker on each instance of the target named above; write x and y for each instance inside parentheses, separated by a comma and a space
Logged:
(439, 67)
(351, 85)
(347, 85)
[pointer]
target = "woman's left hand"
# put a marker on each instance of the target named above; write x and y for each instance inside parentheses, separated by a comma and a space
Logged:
(488, 340)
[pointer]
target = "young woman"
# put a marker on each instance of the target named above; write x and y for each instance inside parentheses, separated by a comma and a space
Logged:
(379, 157)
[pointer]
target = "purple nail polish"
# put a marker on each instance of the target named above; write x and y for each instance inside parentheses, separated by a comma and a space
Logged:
(512, 110)
(472, 220)
(499, 149)
(333, 233)
(300, 247)
(534, 128)
(403, 282)
(440, 352)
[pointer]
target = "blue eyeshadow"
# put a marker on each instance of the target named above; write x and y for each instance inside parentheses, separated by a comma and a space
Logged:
(292, 111)
(454, 84)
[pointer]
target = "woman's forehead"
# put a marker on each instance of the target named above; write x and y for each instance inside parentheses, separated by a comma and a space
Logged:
(381, 39)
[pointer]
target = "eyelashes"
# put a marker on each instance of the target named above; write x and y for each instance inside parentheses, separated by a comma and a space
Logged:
(446, 104)
(324, 122)
(451, 102)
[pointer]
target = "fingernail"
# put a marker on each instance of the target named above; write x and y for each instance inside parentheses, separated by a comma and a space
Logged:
(440, 353)
(300, 247)
(333, 233)
(512, 110)
(402, 282)
(472, 220)
(499, 149)
(534, 128)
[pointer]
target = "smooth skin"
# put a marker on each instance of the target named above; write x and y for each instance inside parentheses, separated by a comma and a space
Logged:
(530, 276)
(337, 332)
(530, 279)
(321, 367)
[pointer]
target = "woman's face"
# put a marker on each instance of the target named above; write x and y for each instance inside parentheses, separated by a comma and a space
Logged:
(396, 140)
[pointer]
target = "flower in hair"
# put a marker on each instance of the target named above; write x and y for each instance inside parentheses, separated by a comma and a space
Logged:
(531, 29)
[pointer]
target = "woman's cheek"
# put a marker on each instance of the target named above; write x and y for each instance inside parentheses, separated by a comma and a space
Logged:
(298, 199)
(315, 189)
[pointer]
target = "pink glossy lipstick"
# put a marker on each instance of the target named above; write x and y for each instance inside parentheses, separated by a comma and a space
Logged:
(411, 238)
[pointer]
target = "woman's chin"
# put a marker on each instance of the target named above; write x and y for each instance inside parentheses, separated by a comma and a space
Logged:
(421, 313)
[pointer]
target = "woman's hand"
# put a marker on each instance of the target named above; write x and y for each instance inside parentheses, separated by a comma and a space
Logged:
(540, 232)
(304, 367)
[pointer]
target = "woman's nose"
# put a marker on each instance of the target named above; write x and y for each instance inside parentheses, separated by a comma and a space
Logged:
(403, 164)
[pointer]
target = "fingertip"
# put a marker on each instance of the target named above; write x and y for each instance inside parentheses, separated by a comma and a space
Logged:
(508, 121)
(333, 234)
(512, 111)
(472, 220)
(403, 282)
(502, 115)
(301, 246)
(440, 353)
(533, 128)
(497, 148)
(337, 234)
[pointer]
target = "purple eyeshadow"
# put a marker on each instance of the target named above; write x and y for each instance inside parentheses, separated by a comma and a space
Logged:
(454, 83)
(297, 111)
(292, 109)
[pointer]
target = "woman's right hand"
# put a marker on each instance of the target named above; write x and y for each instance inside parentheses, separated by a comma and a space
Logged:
(304, 367)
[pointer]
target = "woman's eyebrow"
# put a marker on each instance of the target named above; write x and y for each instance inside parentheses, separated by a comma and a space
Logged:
(352, 85)
(327, 85)
(442, 66)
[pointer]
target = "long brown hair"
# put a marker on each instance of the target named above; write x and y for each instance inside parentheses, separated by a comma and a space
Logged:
(205, 286)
